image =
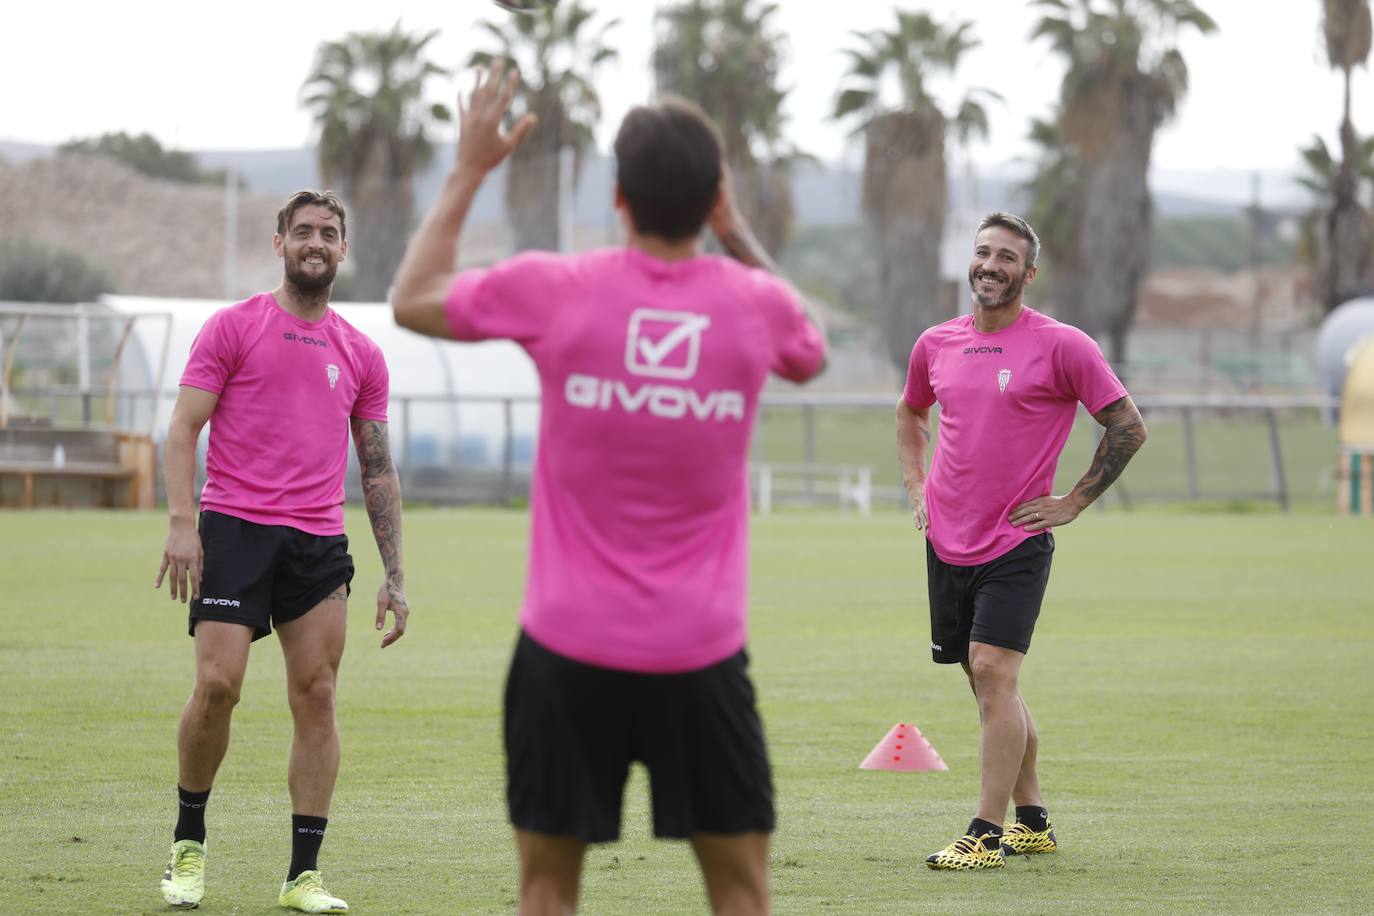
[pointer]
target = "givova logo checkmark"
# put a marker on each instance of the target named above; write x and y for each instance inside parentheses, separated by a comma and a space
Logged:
(662, 344)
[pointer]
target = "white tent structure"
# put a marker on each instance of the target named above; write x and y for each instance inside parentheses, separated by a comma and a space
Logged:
(453, 405)
(1342, 333)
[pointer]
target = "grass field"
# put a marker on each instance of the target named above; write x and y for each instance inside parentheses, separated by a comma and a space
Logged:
(1202, 684)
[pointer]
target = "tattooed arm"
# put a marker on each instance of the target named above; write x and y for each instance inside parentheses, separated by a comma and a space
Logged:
(913, 438)
(382, 494)
(732, 230)
(1124, 433)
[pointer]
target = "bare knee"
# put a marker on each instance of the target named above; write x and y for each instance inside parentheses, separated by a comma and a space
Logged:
(550, 873)
(735, 869)
(217, 691)
(745, 897)
(312, 697)
(546, 893)
(990, 676)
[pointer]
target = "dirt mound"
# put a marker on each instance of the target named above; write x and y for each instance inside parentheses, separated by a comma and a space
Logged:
(155, 238)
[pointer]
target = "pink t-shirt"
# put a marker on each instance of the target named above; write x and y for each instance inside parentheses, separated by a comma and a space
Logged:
(1007, 404)
(279, 433)
(640, 503)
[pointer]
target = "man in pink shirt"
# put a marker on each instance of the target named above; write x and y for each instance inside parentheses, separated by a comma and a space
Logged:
(651, 358)
(282, 380)
(1009, 381)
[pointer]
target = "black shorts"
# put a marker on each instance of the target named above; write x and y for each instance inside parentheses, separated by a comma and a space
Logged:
(573, 729)
(258, 575)
(996, 602)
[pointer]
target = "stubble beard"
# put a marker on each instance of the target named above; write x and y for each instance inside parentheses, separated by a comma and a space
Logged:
(1010, 294)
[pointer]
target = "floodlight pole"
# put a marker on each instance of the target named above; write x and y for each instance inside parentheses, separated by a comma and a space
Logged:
(566, 176)
(231, 225)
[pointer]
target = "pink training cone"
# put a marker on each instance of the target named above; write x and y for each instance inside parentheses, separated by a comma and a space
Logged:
(904, 748)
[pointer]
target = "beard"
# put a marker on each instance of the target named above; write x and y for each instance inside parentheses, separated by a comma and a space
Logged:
(1010, 293)
(307, 282)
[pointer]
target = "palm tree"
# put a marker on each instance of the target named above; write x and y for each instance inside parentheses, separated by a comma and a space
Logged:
(1125, 79)
(905, 186)
(1324, 178)
(367, 93)
(727, 56)
(1346, 261)
(557, 49)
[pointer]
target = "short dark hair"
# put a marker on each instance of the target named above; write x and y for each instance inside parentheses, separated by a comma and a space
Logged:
(1017, 225)
(668, 165)
(300, 199)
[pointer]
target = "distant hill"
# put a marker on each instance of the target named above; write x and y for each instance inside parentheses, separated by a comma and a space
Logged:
(825, 195)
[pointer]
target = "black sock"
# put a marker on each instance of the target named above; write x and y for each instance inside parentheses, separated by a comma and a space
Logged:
(979, 828)
(1033, 816)
(191, 815)
(307, 833)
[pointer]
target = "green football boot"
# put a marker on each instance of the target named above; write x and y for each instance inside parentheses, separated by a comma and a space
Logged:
(307, 894)
(183, 883)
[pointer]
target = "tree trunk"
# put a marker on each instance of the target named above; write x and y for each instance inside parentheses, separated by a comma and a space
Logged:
(1349, 259)
(904, 200)
(1112, 137)
(381, 208)
(532, 177)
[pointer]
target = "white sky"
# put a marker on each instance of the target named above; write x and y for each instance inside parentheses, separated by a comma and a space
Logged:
(227, 76)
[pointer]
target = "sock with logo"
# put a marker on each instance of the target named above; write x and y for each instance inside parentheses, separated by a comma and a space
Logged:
(992, 831)
(191, 815)
(1033, 816)
(307, 833)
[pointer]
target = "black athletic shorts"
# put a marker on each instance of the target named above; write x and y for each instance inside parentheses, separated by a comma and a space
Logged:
(258, 575)
(573, 729)
(996, 602)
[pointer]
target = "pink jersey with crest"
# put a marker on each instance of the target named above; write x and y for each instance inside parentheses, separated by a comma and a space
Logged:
(279, 434)
(651, 372)
(1007, 403)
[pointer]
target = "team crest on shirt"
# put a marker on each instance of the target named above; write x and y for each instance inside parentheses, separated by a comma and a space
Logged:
(332, 371)
(1003, 378)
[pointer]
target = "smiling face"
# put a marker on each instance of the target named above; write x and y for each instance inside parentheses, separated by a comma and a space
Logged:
(312, 247)
(998, 274)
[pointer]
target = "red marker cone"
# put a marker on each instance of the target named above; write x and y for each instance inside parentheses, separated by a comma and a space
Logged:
(904, 748)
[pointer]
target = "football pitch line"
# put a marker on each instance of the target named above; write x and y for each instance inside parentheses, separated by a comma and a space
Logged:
(1202, 685)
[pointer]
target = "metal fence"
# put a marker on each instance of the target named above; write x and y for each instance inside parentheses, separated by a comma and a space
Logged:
(814, 449)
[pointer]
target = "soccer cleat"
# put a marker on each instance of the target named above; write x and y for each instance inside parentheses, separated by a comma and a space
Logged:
(183, 883)
(1020, 840)
(308, 895)
(967, 852)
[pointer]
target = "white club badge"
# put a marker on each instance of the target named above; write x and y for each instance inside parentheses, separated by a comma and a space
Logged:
(333, 372)
(1003, 377)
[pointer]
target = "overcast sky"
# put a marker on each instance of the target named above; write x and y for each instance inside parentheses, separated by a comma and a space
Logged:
(227, 76)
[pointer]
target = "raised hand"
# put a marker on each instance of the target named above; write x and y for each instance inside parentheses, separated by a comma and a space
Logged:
(483, 143)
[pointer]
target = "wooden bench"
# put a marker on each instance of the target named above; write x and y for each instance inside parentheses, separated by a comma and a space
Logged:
(110, 474)
(102, 467)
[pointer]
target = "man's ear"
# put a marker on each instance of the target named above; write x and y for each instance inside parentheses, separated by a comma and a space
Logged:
(1030, 275)
(343, 249)
(279, 244)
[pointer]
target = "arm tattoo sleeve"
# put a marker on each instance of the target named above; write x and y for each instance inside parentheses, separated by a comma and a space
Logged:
(1124, 433)
(381, 490)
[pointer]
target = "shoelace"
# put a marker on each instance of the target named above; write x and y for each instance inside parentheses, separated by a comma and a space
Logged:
(311, 882)
(967, 845)
(188, 861)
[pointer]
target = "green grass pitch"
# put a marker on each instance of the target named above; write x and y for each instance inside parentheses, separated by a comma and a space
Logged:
(1202, 683)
